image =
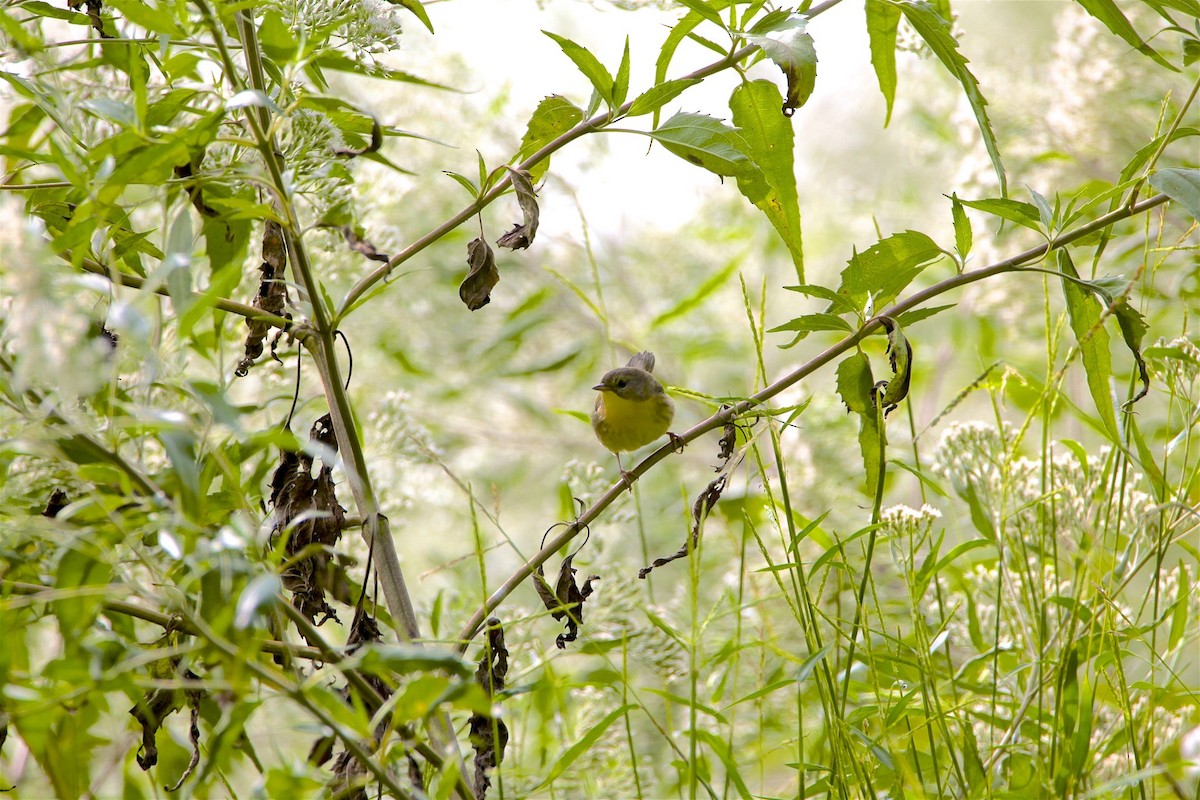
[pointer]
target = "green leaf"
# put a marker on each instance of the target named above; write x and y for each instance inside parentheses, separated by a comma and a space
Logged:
(705, 10)
(770, 142)
(719, 746)
(1084, 312)
(1012, 210)
(146, 15)
(47, 10)
(706, 142)
(884, 269)
(962, 227)
(1114, 292)
(590, 66)
(883, 20)
(253, 97)
(1107, 12)
(343, 63)
(935, 31)
(584, 744)
(814, 322)
(838, 302)
(1181, 185)
(553, 117)
(258, 597)
(75, 610)
(417, 9)
(656, 97)
(621, 82)
(791, 49)
(856, 387)
(277, 39)
(701, 293)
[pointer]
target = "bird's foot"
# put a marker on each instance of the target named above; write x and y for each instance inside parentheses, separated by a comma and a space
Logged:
(628, 478)
(677, 442)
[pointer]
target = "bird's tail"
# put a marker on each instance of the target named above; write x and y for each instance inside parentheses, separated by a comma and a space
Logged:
(643, 360)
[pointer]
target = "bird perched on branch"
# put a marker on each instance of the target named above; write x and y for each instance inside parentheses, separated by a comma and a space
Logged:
(632, 409)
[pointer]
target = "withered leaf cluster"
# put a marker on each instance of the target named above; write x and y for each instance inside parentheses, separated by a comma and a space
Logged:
(522, 233)
(309, 509)
(489, 734)
(358, 244)
(482, 275)
(704, 503)
(272, 295)
(566, 599)
(349, 774)
(153, 709)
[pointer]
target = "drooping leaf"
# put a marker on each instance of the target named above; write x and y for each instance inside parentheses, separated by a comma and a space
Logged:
(791, 48)
(554, 116)
(1084, 312)
(417, 9)
(482, 275)
(935, 31)
(1181, 185)
(883, 21)
(1107, 12)
(856, 387)
(900, 357)
(706, 142)
(1113, 290)
(769, 137)
(521, 236)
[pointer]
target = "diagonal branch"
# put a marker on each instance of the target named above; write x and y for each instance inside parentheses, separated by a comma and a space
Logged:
(1013, 264)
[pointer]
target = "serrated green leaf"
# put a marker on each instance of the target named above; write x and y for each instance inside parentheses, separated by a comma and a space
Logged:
(769, 137)
(706, 142)
(596, 73)
(885, 268)
(1113, 290)
(962, 227)
(1181, 185)
(656, 97)
(1084, 312)
(621, 82)
(1012, 210)
(705, 10)
(1107, 12)
(814, 322)
(791, 48)
(554, 116)
(935, 31)
(883, 21)
(838, 302)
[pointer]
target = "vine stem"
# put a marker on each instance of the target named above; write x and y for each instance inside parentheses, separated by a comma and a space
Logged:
(1014, 263)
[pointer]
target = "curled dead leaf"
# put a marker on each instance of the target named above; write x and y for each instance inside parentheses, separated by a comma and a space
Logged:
(482, 275)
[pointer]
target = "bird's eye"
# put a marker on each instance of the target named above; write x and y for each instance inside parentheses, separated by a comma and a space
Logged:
(621, 384)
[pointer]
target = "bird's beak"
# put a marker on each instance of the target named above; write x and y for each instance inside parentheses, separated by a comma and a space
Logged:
(600, 387)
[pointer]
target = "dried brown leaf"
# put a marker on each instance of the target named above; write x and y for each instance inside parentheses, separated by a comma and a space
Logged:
(482, 275)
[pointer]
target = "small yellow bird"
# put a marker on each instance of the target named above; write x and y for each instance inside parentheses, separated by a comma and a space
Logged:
(632, 409)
